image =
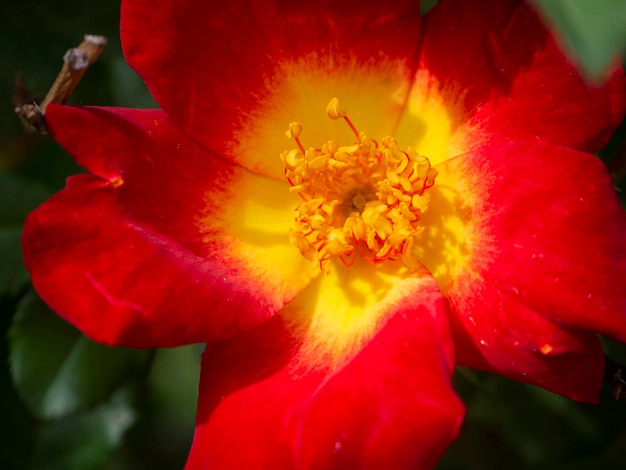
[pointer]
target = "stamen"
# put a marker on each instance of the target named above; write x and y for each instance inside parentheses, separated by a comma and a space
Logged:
(294, 131)
(335, 112)
(361, 198)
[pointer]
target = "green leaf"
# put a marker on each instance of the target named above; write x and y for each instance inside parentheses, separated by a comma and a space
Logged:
(17, 427)
(58, 371)
(426, 6)
(19, 197)
(13, 275)
(127, 87)
(593, 30)
(88, 440)
(521, 427)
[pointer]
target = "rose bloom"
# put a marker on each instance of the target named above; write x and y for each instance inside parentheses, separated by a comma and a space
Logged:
(343, 200)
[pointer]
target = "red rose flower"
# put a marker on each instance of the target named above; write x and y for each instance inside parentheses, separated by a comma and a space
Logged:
(330, 272)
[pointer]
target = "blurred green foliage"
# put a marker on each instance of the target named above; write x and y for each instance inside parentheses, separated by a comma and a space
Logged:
(67, 403)
(18, 196)
(521, 427)
(58, 371)
(593, 31)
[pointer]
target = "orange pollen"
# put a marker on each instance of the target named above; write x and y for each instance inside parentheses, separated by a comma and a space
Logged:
(366, 197)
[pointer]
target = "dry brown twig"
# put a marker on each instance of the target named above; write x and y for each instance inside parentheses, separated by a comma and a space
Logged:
(75, 64)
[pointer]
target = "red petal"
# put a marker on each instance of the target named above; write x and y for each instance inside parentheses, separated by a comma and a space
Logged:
(497, 64)
(165, 244)
(233, 75)
(532, 250)
(267, 402)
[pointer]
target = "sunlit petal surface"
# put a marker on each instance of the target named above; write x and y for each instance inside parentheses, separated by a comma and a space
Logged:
(324, 384)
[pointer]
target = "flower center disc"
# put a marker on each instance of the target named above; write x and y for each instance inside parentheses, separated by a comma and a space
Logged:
(366, 196)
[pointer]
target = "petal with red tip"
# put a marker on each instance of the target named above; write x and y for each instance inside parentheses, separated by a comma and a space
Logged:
(355, 373)
(255, 66)
(164, 244)
(498, 67)
(526, 241)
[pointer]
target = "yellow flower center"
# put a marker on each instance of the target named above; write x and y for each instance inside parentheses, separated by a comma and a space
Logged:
(366, 197)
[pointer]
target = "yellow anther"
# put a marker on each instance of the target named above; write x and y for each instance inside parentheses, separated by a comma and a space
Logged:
(431, 174)
(317, 163)
(330, 207)
(406, 184)
(360, 195)
(293, 132)
(295, 129)
(420, 202)
(330, 147)
(291, 158)
(298, 188)
(337, 243)
(334, 111)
